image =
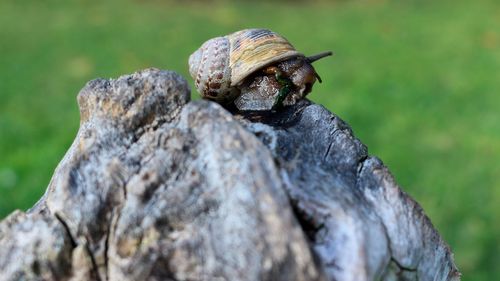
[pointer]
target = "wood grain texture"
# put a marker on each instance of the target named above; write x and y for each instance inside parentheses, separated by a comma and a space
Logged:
(157, 187)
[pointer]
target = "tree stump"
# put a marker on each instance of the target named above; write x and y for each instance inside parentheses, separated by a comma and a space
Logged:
(158, 187)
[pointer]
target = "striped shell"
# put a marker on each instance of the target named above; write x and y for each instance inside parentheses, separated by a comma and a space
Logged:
(221, 64)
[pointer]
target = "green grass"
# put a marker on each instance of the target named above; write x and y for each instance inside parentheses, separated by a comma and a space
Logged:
(419, 82)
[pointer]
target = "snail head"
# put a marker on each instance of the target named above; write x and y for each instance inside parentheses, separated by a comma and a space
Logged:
(299, 71)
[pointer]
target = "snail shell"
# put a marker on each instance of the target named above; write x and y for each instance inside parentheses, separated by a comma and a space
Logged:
(223, 63)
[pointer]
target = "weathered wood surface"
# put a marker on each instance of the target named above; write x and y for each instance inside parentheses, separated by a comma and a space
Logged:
(156, 187)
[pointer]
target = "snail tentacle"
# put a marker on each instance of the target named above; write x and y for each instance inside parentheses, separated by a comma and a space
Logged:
(313, 58)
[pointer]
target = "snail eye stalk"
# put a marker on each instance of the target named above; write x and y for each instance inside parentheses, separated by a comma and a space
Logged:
(314, 58)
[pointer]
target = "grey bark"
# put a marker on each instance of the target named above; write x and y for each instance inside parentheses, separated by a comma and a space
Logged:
(157, 187)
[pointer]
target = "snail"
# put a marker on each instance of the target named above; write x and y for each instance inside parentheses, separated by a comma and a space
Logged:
(256, 69)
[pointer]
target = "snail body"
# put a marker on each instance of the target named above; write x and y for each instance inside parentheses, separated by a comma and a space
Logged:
(226, 68)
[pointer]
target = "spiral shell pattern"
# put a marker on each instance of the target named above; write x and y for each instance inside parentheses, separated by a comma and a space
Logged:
(209, 66)
(221, 64)
(252, 49)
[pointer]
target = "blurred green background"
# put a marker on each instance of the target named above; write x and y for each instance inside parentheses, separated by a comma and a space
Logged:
(418, 81)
